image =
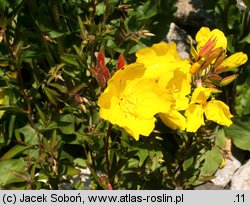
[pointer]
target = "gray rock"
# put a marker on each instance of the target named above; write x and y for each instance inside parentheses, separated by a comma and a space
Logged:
(181, 38)
(209, 186)
(223, 176)
(241, 178)
(191, 13)
(234, 160)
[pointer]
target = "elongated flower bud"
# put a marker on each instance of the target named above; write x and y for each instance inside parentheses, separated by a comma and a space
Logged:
(219, 60)
(227, 80)
(120, 62)
(221, 69)
(216, 77)
(207, 48)
(214, 54)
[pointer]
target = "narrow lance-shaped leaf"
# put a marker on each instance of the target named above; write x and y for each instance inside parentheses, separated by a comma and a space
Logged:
(15, 150)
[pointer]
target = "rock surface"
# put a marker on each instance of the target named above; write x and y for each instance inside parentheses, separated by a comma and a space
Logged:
(191, 13)
(181, 38)
(233, 162)
(241, 178)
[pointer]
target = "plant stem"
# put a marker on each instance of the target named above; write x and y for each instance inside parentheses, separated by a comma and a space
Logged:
(107, 149)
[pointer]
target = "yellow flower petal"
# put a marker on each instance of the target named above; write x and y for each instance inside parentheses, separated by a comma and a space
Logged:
(131, 101)
(200, 95)
(234, 60)
(179, 84)
(204, 34)
(163, 49)
(143, 127)
(160, 59)
(195, 119)
(174, 120)
(217, 111)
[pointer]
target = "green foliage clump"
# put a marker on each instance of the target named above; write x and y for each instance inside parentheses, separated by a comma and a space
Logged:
(49, 123)
(49, 126)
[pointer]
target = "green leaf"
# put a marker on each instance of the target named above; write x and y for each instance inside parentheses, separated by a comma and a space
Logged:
(213, 159)
(61, 88)
(221, 139)
(243, 94)
(15, 150)
(66, 124)
(142, 154)
(30, 135)
(234, 16)
(69, 59)
(11, 109)
(245, 39)
(204, 167)
(55, 34)
(52, 98)
(239, 132)
(80, 162)
(7, 169)
(100, 9)
(70, 171)
(41, 113)
(11, 125)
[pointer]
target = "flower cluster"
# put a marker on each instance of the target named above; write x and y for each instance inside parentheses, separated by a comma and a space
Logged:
(180, 91)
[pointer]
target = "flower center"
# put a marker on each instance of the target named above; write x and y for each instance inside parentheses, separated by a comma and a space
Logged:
(128, 106)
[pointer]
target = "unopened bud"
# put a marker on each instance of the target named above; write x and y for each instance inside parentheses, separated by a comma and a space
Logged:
(120, 62)
(83, 108)
(78, 99)
(2, 31)
(143, 32)
(195, 67)
(215, 90)
(221, 69)
(146, 32)
(86, 101)
(209, 85)
(227, 80)
(219, 60)
(109, 187)
(215, 77)
(214, 54)
(207, 48)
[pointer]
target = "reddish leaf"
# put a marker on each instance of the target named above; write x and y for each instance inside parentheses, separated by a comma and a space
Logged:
(94, 71)
(100, 59)
(121, 62)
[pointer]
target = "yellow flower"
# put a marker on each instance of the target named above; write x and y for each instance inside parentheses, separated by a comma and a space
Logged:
(160, 59)
(209, 58)
(214, 110)
(164, 65)
(209, 42)
(174, 120)
(131, 100)
(204, 35)
(232, 62)
(195, 119)
(179, 85)
(217, 111)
